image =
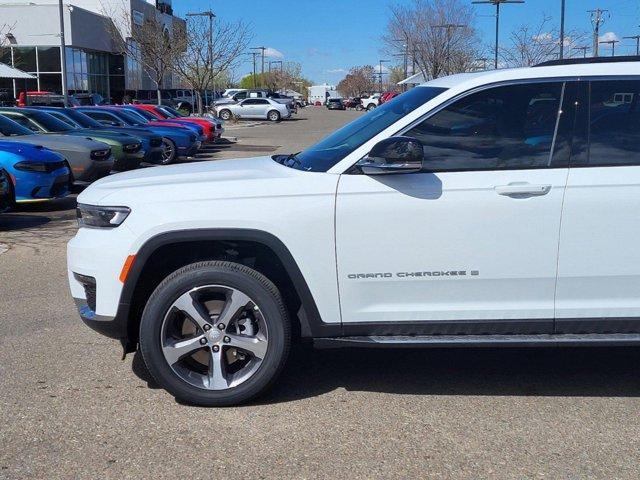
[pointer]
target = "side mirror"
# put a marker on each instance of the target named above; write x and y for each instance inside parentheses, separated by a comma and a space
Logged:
(393, 155)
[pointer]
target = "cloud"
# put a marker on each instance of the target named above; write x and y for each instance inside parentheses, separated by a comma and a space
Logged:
(273, 53)
(337, 70)
(543, 38)
(609, 37)
(316, 52)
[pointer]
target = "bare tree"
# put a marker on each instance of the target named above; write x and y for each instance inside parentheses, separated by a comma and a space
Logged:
(201, 70)
(149, 44)
(439, 35)
(289, 77)
(533, 44)
(5, 31)
(358, 81)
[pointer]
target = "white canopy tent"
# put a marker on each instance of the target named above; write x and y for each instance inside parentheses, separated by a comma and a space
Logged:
(9, 72)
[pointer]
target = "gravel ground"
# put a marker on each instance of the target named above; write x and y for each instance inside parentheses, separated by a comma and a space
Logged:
(72, 409)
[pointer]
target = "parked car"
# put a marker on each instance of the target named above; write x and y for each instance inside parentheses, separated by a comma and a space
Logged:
(178, 142)
(126, 150)
(39, 173)
(89, 160)
(209, 127)
(370, 102)
(386, 96)
(6, 98)
(528, 183)
(89, 99)
(155, 120)
(43, 98)
(150, 97)
(151, 143)
(353, 102)
(230, 92)
(256, 108)
(7, 192)
(335, 104)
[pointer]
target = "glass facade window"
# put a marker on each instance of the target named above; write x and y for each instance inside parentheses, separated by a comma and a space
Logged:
(87, 71)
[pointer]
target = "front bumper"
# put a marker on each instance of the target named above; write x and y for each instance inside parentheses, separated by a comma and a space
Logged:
(189, 151)
(41, 187)
(129, 161)
(94, 171)
(94, 261)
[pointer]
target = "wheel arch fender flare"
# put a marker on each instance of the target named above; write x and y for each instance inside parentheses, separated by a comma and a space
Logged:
(310, 321)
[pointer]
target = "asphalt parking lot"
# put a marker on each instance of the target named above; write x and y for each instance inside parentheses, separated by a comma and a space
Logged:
(71, 408)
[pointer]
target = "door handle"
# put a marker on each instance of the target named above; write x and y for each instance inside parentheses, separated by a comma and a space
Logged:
(522, 190)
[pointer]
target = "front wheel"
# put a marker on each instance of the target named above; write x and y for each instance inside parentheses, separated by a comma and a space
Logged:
(169, 151)
(215, 333)
(371, 106)
(273, 116)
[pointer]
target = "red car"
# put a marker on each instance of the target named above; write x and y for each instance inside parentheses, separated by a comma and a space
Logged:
(212, 129)
(386, 96)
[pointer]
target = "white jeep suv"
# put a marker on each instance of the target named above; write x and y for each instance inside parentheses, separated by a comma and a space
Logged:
(496, 208)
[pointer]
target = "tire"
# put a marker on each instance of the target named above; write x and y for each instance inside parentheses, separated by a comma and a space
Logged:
(225, 114)
(273, 116)
(169, 152)
(371, 106)
(264, 306)
(359, 108)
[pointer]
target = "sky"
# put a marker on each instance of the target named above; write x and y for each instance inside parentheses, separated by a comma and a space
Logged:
(330, 36)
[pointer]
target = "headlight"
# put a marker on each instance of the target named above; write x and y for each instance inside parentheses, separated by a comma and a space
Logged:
(93, 216)
(100, 154)
(27, 166)
(132, 147)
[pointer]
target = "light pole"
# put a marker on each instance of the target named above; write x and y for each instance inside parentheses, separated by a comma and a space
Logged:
(562, 8)
(63, 55)
(637, 39)
(380, 72)
(262, 49)
(211, 16)
(497, 3)
(613, 45)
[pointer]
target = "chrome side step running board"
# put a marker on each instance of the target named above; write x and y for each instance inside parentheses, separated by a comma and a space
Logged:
(435, 341)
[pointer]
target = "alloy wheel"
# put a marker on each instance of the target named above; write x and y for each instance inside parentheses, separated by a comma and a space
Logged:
(214, 337)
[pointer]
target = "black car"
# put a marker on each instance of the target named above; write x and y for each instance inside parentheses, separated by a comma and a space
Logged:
(335, 104)
(7, 193)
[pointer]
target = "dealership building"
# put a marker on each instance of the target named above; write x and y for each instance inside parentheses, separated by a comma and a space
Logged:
(93, 65)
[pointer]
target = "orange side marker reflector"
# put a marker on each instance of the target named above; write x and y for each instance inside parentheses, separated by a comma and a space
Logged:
(128, 263)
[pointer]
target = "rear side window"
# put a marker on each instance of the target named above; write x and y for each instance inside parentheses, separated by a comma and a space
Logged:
(501, 128)
(614, 124)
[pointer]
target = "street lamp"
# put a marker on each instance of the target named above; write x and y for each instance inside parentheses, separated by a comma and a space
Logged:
(211, 16)
(497, 3)
(63, 55)
(380, 73)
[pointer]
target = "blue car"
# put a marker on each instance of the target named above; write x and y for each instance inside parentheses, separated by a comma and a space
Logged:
(38, 174)
(7, 197)
(149, 117)
(179, 142)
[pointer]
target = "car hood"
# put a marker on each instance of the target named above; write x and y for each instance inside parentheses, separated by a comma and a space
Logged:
(225, 179)
(59, 143)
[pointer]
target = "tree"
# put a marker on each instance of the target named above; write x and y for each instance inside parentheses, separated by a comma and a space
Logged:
(358, 81)
(396, 75)
(201, 70)
(5, 30)
(149, 44)
(439, 35)
(533, 44)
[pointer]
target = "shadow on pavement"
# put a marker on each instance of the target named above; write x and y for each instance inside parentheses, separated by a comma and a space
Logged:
(581, 372)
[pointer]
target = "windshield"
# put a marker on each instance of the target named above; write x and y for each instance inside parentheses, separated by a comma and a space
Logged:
(131, 117)
(145, 114)
(9, 128)
(49, 122)
(80, 118)
(329, 151)
(171, 112)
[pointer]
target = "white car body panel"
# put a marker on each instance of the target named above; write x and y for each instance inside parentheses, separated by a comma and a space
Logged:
(296, 207)
(454, 221)
(566, 254)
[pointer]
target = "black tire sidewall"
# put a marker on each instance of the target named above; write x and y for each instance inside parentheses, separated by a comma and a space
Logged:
(175, 152)
(269, 116)
(224, 112)
(237, 276)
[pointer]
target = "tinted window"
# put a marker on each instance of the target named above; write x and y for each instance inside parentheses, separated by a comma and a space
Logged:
(326, 153)
(249, 102)
(24, 121)
(49, 122)
(509, 127)
(261, 102)
(240, 95)
(102, 116)
(614, 128)
(9, 128)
